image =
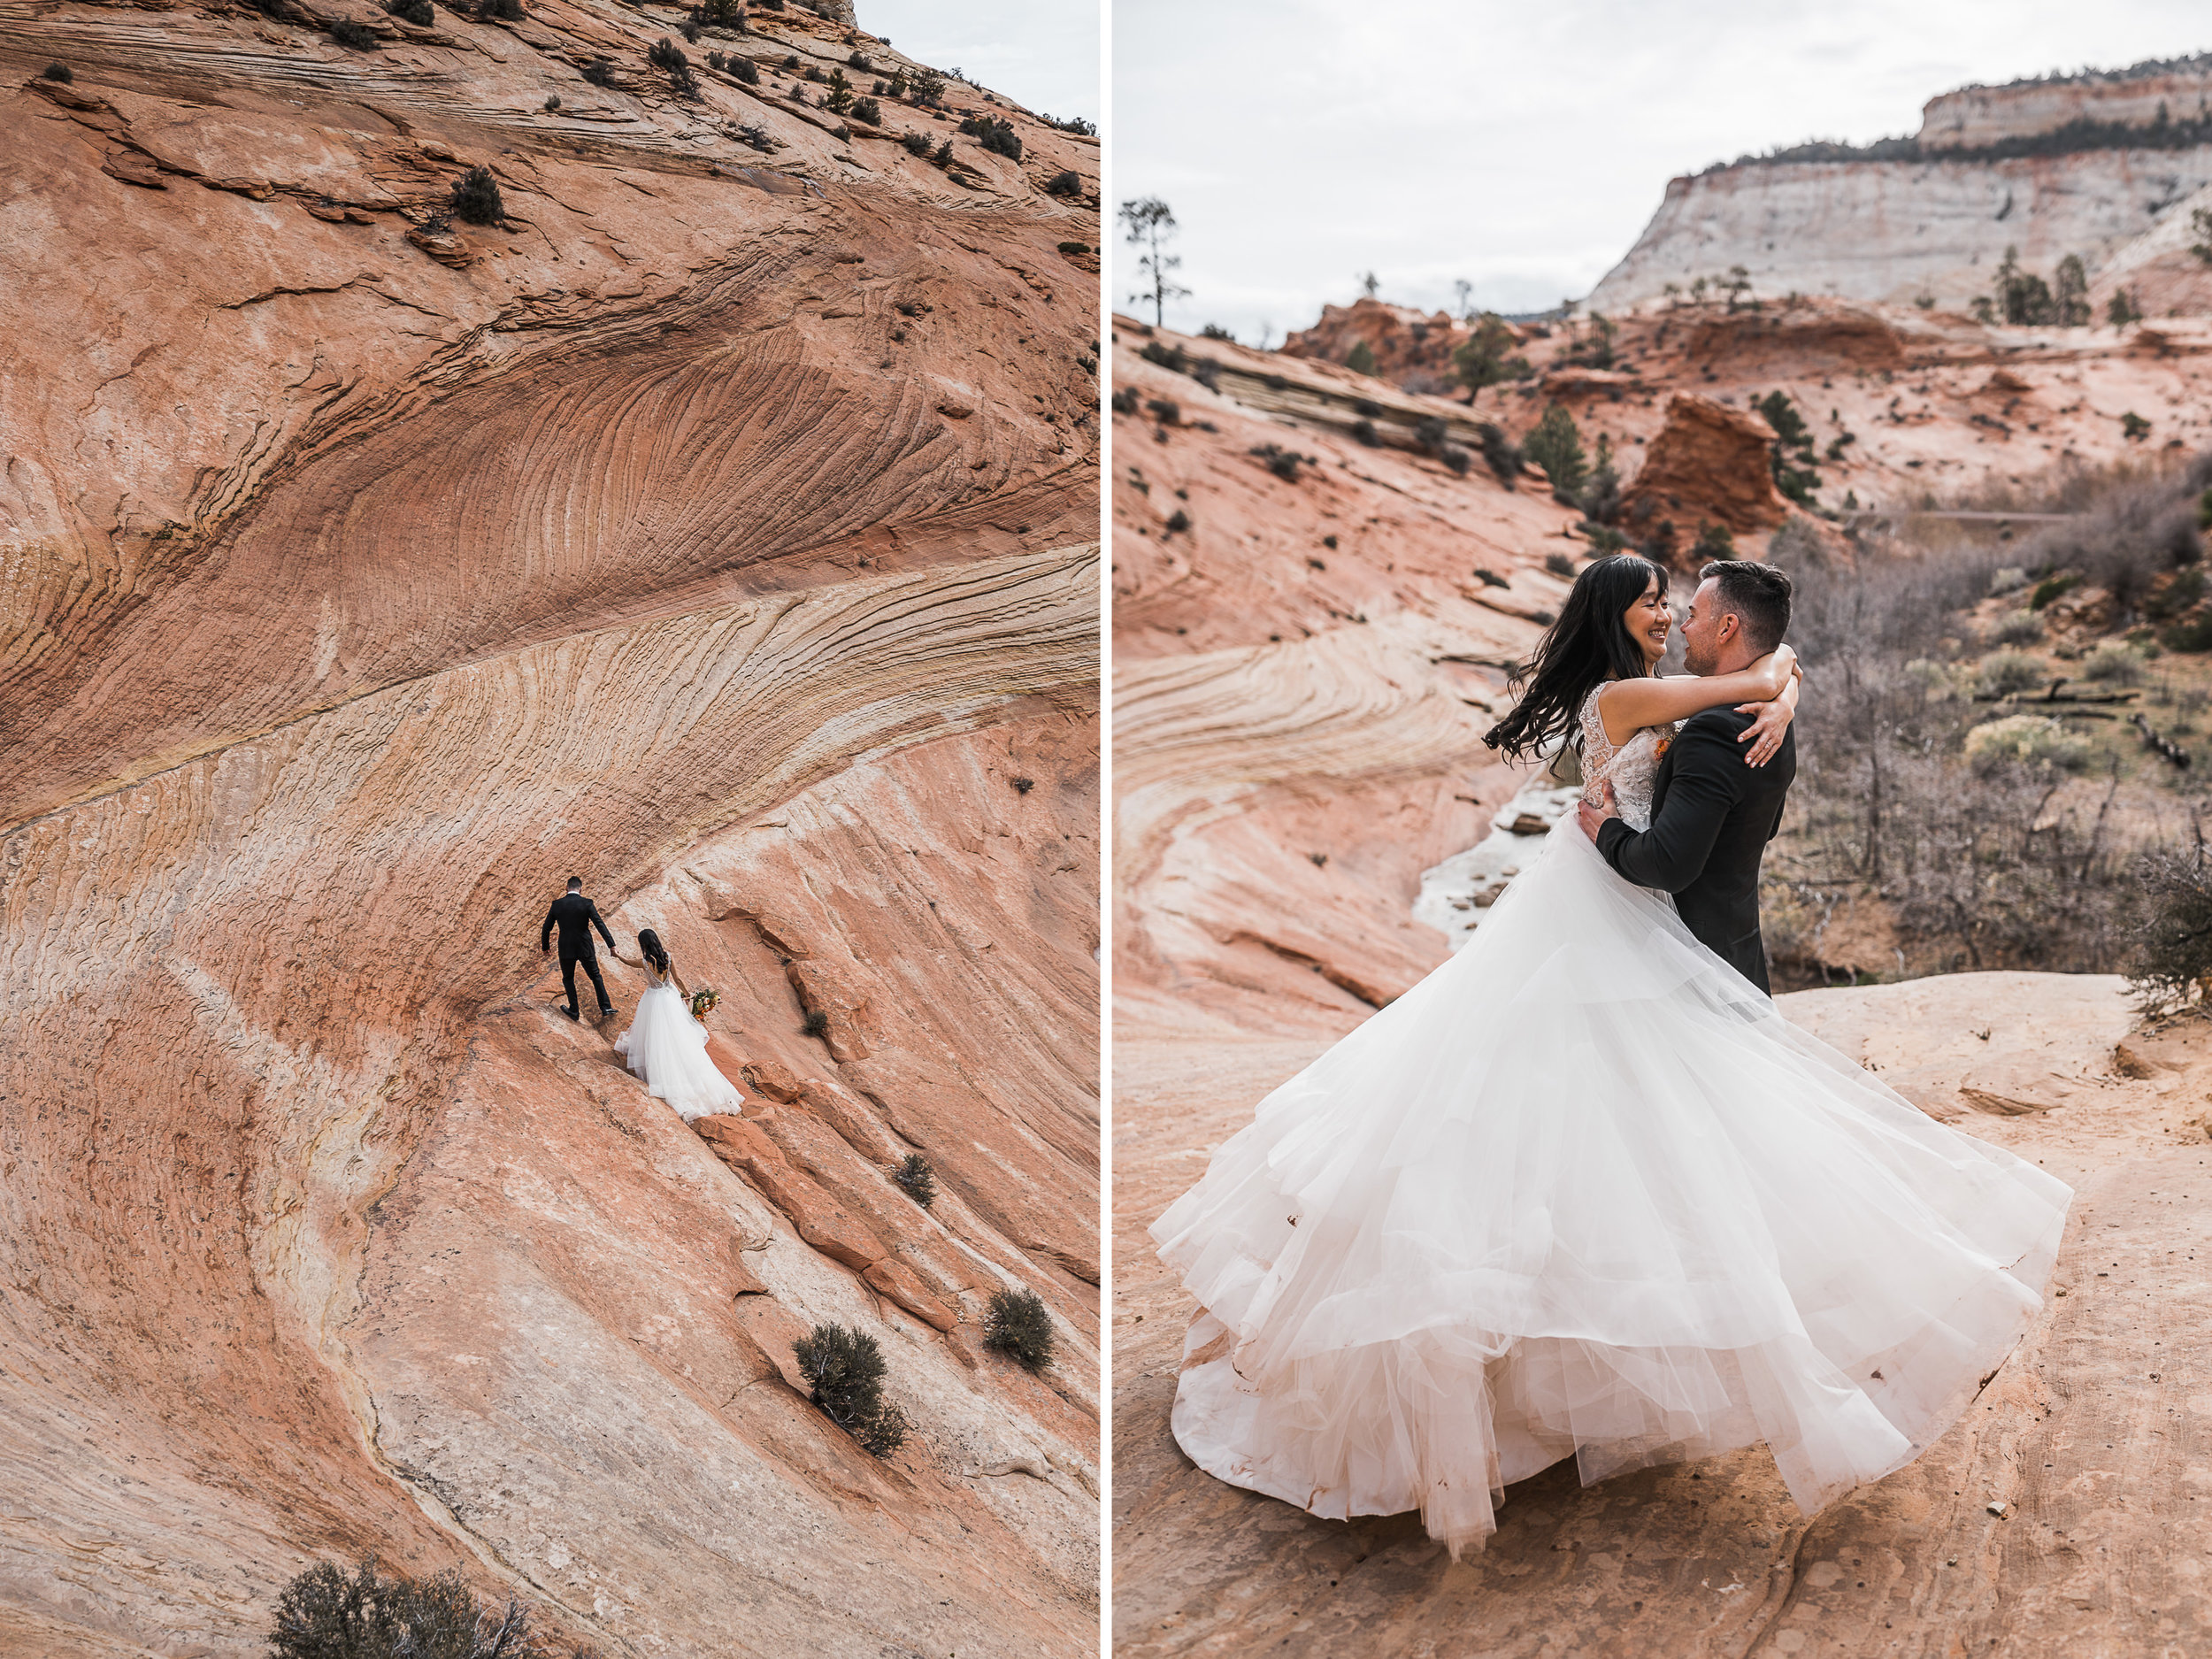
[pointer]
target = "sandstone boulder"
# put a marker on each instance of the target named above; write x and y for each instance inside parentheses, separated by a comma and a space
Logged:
(1709, 465)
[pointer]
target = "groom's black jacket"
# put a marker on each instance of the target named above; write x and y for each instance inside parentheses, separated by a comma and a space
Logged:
(575, 916)
(1711, 818)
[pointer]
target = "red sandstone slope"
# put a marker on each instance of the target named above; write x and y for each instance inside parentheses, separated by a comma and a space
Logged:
(717, 526)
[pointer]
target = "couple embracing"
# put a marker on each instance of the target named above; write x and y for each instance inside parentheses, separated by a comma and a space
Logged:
(1583, 1191)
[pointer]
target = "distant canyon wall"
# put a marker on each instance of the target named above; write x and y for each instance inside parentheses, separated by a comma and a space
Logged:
(1932, 230)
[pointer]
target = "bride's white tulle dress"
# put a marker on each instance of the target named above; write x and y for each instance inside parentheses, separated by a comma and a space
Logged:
(1583, 1192)
(667, 1047)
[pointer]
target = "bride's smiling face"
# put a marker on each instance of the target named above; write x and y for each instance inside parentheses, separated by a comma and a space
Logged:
(1648, 621)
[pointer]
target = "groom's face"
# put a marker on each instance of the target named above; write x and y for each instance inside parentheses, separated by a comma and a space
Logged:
(1702, 642)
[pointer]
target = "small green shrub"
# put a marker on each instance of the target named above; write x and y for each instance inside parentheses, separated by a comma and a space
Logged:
(1281, 462)
(868, 112)
(1065, 182)
(501, 10)
(476, 197)
(2007, 578)
(2033, 740)
(1177, 522)
(916, 1179)
(995, 135)
(2021, 627)
(844, 1371)
(666, 54)
(1075, 247)
(1125, 400)
(1489, 578)
(1366, 433)
(1361, 359)
(745, 71)
(1018, 1324)
(2050, 587)
(599, 72)
(2007, 674)
(1504, 456)
(2191, 633)
(359, 36)
(916, 143)
(2113, 662)
(815, 1023)
(1166, 411)
(552, 102)
(2134, 427)
(56, 72)
(326, 1614)
(1556, 446)
(418, 13)
(1559, 564)
(1713, 542)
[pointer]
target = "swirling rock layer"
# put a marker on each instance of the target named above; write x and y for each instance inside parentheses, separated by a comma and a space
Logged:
(717, 526)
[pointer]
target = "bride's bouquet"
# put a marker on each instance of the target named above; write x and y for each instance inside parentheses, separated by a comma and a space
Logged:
(702, 1000)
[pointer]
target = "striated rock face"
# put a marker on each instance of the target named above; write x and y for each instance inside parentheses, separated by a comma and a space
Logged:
(1988, 115)
(1709, 465)
(718, 526)
(1931, 228)
(1899, 231)
(2044, 1521)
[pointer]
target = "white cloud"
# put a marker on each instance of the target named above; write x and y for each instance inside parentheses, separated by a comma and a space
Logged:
(1045, 57)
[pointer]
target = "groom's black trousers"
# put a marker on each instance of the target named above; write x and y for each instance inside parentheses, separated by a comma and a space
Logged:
(590, 960)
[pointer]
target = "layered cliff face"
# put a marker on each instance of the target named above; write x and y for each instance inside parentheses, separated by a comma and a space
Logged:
(1988, 174)
(715, 524)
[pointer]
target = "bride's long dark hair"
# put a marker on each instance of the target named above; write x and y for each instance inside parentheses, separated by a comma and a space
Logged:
(649, 944)
(1590, 643)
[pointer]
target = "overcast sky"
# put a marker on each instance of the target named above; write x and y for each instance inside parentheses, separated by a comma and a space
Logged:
(1522, 146)
(1043, 54)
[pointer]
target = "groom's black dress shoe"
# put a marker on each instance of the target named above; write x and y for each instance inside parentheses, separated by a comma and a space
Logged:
(606, 1013)
(570, 1012)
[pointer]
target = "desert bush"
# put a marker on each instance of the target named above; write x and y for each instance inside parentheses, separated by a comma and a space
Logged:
(944, 153)
(1559, 564)
(1067, 181)
(995, 135)
(2007, 578)
(357, 35)
(666, 54)
(60, 72)
(2052, 588)
(815, 1023)
(2192, 634)
(1125, 400)
(599, 72)
(1488, 356)
(745, 69)
(2021, 627)
(1556, 447)
(1503, 455)
(2172, 959)
(839, 99)
(721, 14)
(868, 111)
(2134, 534)
(1713, 542)
(1281, 462)
(418, 13)
(844, 1372)
(757, 135)
(916, 1179)
(2120, 664)
(1019, 1324)
(325, 1613)
(476, 197)
(916, 143)
(1361, 360)
(1365, 433)
(552, 102)
(2033, 740)
(929, 88)
(1457, 459)
(1166, 411)
(859, 61)
(501, 10)
(2007, 674)
(1177, 522)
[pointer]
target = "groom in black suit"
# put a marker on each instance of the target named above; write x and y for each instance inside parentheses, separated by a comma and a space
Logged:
(576, 916)
(1712, 814)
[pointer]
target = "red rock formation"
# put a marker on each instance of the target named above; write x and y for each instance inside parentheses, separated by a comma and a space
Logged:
(1709, 466)
(1411, 350)
(366, 574)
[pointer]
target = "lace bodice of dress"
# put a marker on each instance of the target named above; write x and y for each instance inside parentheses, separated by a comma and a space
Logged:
(1633, 766)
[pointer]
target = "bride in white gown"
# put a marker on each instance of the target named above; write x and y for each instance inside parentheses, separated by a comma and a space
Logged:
(1583, 1192)
(667, 1047)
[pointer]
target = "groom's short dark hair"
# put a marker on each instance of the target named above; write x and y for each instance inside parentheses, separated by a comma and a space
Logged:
(575, 884)
(1758, 594)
